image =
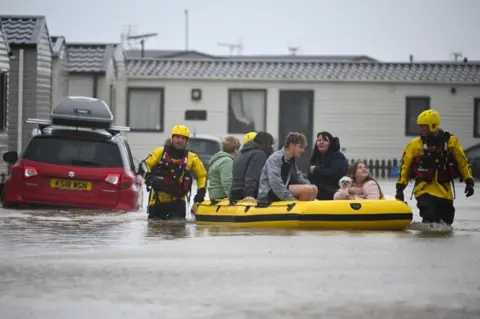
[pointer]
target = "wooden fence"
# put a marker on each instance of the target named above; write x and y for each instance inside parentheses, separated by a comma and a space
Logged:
(381, 168)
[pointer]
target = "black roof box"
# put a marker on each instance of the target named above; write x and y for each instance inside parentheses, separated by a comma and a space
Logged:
(82, 112)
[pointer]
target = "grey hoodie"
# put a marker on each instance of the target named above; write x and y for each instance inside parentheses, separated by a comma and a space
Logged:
(247, 168)
(277, 174)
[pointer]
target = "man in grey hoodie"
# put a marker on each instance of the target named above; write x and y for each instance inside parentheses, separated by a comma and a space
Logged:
(281, 180)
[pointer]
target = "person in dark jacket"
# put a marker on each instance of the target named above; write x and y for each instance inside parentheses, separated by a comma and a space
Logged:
(248, 165)
(328, 165)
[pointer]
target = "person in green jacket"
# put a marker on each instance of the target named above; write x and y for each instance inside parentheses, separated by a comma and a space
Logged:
(220, 169)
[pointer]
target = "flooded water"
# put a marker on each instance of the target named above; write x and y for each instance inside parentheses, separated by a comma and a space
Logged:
(79, 265)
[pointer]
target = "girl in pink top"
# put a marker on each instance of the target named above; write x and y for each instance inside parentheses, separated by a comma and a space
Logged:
(365, 186)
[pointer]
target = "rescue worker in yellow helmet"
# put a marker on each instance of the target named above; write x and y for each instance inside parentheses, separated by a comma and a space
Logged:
(249, 137)
(169, 171)
(434, 160)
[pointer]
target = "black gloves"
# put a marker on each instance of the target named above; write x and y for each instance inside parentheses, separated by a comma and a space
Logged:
(200, 196)
(469, 190)
(148, 179)
(399, 194)
(142, 168)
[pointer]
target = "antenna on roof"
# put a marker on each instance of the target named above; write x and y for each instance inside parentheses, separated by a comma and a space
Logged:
(128, 30)
(186, 30)
(293, 47)
(232, 47)
(457, 56)
(293, 50)
(142, 38)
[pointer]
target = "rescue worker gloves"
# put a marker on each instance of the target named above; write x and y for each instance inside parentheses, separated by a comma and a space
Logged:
(200, 196)
(142, 168)
(152, 180)
(156, 182)
(181, 130)
(148, 178)
(399, 194)
(249, 137)
(430, 118)
(469, 190)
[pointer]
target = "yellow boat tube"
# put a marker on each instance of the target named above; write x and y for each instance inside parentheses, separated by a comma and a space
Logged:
(334, 214)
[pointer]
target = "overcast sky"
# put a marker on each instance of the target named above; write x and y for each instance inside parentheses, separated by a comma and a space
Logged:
(384, 29)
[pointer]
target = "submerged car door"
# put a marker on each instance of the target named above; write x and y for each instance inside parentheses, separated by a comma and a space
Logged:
(473, 155)
(138, 180)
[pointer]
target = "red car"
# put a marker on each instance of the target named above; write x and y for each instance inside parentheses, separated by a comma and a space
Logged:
(75, 159)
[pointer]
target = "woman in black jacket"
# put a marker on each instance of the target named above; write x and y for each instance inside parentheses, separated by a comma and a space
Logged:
(328, 165)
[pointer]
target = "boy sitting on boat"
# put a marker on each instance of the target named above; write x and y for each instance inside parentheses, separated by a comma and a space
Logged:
(281, 180)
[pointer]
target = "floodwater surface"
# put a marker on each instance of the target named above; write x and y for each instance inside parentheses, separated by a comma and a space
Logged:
(82, 264)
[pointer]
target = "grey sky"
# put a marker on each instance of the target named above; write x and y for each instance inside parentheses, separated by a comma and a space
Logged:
(384, 29)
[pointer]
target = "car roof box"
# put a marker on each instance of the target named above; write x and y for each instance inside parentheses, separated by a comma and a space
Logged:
(82, 112)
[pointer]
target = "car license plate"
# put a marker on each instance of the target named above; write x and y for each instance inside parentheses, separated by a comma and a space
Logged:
(71, 184)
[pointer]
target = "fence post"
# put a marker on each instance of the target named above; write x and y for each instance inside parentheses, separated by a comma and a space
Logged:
(380, 168)
(383, 168)
(377, 168)
(389, 168)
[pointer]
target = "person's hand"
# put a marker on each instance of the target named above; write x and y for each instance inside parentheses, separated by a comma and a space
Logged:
(399, 193)
(194, 208)
(312, 168)
(250, 199)
(355, 191)
(469, 190)
(200, 196)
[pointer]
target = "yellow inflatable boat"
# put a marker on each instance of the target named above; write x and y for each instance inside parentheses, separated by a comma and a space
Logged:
(338, 214)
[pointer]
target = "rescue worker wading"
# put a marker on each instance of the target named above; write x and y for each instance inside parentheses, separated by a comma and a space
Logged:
(169, 176)
(433, 160)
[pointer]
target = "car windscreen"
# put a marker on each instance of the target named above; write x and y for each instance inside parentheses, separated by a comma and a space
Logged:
(73, 152)
(203, 146)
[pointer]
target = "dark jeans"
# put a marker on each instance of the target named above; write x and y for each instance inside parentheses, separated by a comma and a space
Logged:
(434, 209)
(272, 197)
(174, 210)
(325, 194)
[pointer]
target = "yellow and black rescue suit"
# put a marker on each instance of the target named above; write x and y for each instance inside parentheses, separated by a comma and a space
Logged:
(170, 179)
(434, 162)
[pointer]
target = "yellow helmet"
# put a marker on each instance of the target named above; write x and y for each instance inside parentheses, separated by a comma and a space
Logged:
(430, 118)
(249, 137)
(181, 130)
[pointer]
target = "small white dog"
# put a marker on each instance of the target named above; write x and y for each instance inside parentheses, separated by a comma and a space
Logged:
(344, 183)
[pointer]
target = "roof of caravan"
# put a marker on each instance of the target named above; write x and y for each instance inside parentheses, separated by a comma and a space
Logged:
(304, 70)
(22, 29)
